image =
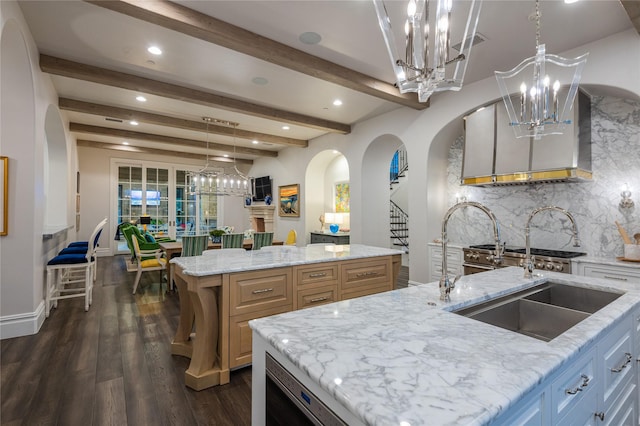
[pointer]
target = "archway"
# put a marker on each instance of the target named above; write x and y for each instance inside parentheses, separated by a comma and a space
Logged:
(325, 170)
(55, 171)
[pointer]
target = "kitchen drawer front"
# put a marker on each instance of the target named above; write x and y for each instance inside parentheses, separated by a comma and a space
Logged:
(315, 296)
(240, 337)
(618, 363)
(571, 386)
(362, 275)
(612, 273)
(321, 274)
(259, 290)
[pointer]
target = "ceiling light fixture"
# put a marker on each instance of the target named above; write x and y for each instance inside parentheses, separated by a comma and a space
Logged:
(255, 142)
(141, 98)
(337, 102)
(542, 108)
(133, 123)
(285, 127)
(429, 39)
(154, 50)
(211, 182)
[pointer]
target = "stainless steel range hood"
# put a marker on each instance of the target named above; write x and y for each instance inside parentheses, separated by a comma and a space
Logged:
(493, 156)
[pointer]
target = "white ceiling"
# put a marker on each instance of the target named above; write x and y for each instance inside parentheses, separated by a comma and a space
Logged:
(89, 34)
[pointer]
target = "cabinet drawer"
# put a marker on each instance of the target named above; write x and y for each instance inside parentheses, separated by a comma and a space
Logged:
(315, 296)
(358, 276)
(617, 274)
(321, 274)
(259, 290)
(618, 364)
(571, 386)
(240, 337)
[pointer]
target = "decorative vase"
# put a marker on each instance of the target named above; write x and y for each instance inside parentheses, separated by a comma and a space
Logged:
(216, 239)
(247, 201)
(334, 227)
(268, 200)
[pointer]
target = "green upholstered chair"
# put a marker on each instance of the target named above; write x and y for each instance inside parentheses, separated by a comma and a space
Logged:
(261, 239)
(194, 245)
(147, 260)
(232, 240)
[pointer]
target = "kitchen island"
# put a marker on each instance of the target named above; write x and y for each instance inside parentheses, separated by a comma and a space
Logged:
(402, 358)
(222, 290)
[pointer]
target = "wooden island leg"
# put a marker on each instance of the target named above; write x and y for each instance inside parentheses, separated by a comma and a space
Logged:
(182, 343)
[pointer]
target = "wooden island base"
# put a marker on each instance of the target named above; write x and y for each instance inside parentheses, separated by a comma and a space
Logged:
(221, 306)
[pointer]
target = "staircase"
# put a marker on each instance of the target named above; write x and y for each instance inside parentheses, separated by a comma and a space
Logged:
(398, 218)
(399, 222)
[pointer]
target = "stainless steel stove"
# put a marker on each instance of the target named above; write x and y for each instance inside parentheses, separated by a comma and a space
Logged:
(479, 258)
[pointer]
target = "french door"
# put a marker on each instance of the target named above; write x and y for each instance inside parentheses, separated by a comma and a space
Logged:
(158, 191)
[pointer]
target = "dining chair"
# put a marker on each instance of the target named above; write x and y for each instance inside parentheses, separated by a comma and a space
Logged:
(232, 240)
(262, 239)
(192, 245)
(292, 237)
(72, 275)
(147, 261)
(81, 247)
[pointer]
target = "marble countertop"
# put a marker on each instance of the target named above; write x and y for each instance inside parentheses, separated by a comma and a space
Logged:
(220, 262)
(401, 356)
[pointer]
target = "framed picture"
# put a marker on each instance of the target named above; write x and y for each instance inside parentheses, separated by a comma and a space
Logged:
(4, 195)
(342, 197)
(289, 200)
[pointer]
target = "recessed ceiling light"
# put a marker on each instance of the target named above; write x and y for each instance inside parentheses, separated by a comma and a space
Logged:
(141, 98)
(225, 155)
(260, 81)
(125, 143)
(285, 127)
(310, 38)
(154, 50)
(133, 122)
(570, 1)
(337, 102)
(255, 142)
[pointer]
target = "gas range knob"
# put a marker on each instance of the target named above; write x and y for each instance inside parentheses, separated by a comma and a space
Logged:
(559, 268)
(550, 266)
(540, 265)
(475, 256)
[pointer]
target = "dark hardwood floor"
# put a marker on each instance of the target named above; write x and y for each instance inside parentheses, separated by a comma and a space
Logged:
(112, 365)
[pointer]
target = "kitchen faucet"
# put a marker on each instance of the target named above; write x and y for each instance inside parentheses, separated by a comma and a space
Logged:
(445, 285)
(528, 261)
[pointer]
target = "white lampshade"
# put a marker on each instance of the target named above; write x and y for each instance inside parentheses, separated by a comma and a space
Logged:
(338, 219)
(329, 218)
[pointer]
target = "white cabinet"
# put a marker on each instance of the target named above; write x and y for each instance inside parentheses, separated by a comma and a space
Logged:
(599, 387)
(454, 261)
(617, 272)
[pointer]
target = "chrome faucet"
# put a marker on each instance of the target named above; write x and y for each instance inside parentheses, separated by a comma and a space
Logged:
(445, 285)
(529, 260)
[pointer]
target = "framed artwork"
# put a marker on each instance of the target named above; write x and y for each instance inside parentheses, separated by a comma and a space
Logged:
(289, 200)
(4, 195)
(342, 197)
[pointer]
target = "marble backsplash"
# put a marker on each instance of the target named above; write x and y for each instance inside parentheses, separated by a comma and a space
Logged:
(594, 204)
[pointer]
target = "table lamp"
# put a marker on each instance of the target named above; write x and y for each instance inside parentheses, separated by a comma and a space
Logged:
(144, 221)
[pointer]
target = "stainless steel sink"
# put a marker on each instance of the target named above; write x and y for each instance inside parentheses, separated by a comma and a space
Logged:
(544, 311)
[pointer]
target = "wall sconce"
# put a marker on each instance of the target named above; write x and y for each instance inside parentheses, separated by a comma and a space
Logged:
(626, 202)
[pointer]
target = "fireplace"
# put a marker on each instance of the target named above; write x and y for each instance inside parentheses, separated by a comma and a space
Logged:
(261, 218)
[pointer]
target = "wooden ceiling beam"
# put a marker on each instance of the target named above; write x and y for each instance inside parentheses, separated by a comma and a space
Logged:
(141, 150)
(179, 123)
(195, 24)
(65, 68)
(632, 7)
(173, 142)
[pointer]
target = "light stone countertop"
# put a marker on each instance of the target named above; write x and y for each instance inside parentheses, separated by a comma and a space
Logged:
(606, 261)
(400, 356)
(276, 257)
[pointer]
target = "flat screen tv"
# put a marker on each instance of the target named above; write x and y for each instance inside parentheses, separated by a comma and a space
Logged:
(261, 187)
(153, 198)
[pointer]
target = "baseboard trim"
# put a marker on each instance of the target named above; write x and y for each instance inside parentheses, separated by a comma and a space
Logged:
(22, 324)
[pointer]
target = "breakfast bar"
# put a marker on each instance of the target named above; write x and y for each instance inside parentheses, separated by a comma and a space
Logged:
(221, 293)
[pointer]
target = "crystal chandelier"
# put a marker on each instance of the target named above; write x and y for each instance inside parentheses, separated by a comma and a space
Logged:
(426, 40)
(542, 108)
(209, 181)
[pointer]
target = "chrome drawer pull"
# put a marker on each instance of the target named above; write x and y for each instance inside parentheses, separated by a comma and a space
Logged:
(615, 278)
(366, 274)
(626, 361)
(318, 299)
(318, 274)
(584, 384)
(264, 290)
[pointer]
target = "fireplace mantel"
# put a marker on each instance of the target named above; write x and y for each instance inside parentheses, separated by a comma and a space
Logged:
(261, 218)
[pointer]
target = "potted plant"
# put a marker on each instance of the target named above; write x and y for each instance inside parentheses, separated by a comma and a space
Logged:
(216, 235)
